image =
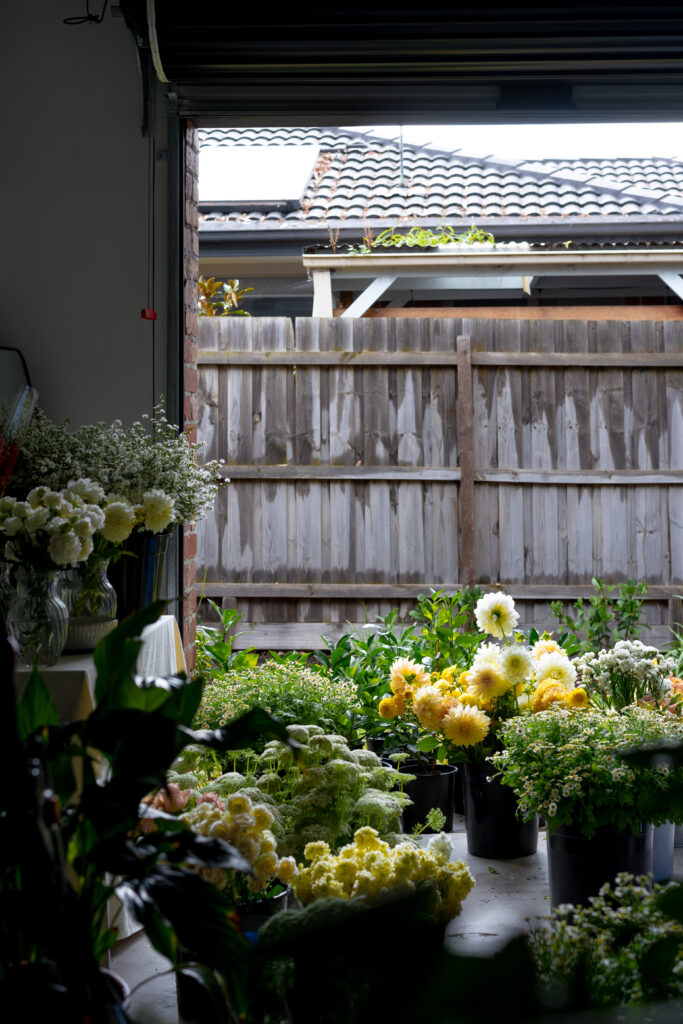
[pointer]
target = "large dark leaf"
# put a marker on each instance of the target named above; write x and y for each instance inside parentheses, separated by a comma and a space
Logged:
(36, 707)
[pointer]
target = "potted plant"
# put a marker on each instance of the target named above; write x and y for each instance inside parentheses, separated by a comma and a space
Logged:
(72, 834)
(599, 809)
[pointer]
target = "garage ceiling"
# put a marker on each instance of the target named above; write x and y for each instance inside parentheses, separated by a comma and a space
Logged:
(488, 62)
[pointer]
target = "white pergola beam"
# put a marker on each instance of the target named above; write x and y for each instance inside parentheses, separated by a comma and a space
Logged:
(373, 292)
(673, 281)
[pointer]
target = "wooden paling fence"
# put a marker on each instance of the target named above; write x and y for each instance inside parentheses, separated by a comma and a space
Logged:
(373, 459)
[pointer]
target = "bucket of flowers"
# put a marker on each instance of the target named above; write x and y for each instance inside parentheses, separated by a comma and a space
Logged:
(460, 715)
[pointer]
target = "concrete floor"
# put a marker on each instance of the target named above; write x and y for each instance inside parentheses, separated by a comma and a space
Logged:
(508, 895)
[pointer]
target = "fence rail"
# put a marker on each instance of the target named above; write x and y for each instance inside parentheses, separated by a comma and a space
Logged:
(372, 459)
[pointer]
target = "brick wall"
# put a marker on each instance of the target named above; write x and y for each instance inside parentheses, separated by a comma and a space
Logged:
(190, 275)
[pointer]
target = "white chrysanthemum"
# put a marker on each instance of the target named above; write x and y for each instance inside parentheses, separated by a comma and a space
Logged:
(65, 548)
(12, 525)
(496, 615)
(36, 496)
(545, 646)
(86, 549)
(119, 520)
(558, 668)
(158, 510)
(22, 509)
(440, 848)
(89, 490)
(516, 663)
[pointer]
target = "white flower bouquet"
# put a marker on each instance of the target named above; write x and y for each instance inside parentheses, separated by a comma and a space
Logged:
(49, 530)
(150, 465)
(628, 673)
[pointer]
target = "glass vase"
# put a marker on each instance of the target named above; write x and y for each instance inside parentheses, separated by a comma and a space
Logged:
(6, 587)
(37, 618)
(92, 605)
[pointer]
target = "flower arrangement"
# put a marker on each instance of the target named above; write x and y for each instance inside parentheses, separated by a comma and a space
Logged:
(370, 868)
(323, 793)
(247, 827)
(565, 764)
(49, 529)
(291, 694)
(628, 673)
(606, 945)
(149, 465)
(459, 713)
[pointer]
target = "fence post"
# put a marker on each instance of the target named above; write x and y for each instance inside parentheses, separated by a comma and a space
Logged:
(465, 416)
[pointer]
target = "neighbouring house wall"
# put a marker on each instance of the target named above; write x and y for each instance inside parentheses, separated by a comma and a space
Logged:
(74, 184)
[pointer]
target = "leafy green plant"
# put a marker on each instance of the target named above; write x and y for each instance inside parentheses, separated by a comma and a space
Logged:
(69, 829)
(420, 238)
(571, 767)
(604, 619)
(449, 634)
(620, 949)
(291, 693)
(214, 643)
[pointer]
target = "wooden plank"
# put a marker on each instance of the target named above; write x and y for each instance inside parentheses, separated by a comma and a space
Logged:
(465, 416)
(625, 313)
(310, 636)
(656, 360)
(404, 591)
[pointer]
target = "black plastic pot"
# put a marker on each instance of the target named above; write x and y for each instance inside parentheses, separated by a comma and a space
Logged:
(432, 787)
(578, 867)
(493, 828)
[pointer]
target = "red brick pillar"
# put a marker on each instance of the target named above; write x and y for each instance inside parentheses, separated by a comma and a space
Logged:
(190, 274)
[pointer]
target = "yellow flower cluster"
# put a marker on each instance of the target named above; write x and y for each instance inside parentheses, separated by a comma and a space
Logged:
(503, 681)
(245, 826)
(370, 868)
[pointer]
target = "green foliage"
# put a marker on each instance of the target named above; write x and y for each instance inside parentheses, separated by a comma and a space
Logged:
(449, 634)
(422, 238)
(605, 619)
(591, 768)
(291, 693)
(434, 821)
(675, 646)
(364, 658)
(214, 644)
(619, 950)
(69, 830)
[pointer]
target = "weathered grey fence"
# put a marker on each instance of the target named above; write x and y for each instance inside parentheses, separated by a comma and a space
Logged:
(371, 459)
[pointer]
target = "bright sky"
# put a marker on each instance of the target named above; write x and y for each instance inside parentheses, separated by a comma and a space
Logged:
(547, 141)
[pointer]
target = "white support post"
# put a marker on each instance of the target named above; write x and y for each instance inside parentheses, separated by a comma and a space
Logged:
(373, 291)
(322, 293)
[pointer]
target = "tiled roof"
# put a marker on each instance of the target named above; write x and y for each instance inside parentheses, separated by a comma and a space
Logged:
(361, 178)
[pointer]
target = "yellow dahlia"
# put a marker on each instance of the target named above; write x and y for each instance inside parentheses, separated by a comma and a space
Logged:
(465, 726)
(496, 615)
(558, 667)
(578, 698)
(404, 672)
(487, 681)
(390, 707)
(547, 693)
(429, 706)
(545, 646)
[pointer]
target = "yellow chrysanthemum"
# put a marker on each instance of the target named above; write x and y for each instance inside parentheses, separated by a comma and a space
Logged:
(545, 646)
(469, 699)
(463, 680)
(404, 673)
(465, 725)
(547, 693)
(558, 667)
(487, 681)
(578, 698)
(390, 707)
(429, 706)
(450, 673)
